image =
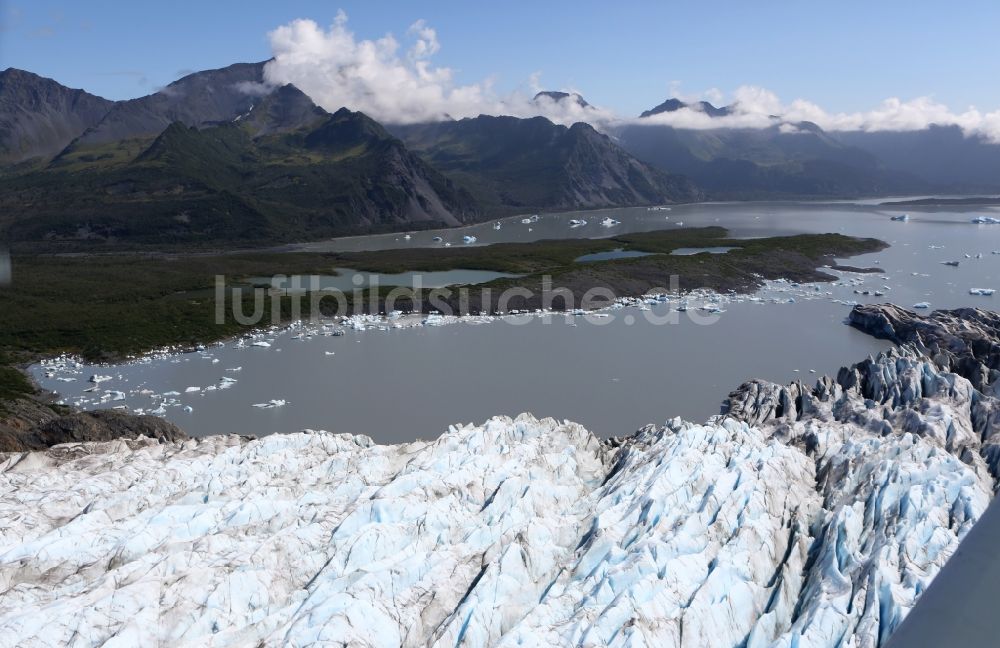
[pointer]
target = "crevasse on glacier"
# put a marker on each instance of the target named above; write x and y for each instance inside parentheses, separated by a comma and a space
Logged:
(803, 517)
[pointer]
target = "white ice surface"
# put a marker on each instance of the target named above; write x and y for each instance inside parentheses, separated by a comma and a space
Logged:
(520, 531)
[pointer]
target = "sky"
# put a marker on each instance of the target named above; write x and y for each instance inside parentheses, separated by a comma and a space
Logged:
(847, 57)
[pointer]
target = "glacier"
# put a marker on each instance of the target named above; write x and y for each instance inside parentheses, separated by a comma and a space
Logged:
(803, 516)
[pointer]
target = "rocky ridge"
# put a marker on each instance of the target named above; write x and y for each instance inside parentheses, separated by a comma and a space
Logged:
(28, 424)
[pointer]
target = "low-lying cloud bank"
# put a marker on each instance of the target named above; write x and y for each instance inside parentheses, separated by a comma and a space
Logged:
(396, 85)
(754, 107)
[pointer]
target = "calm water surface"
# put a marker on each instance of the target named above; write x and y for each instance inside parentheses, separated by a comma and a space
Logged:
(610, 255)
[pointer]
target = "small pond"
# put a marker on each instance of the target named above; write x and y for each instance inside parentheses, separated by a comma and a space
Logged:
(609, 255)
(687, 251)
(348, 280)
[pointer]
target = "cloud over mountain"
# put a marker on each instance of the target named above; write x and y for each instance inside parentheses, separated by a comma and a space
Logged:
(398, 82)
(392, 84)
(755, 107)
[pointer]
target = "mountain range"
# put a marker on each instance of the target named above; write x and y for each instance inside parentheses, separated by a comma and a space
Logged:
(220, 156)
(512, 164)
(800, 158)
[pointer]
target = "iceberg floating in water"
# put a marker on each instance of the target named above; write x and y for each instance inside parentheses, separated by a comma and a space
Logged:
(901, 218)
(271, 404)
(922, 305)
(985, 292)
(986, 220)
(226, 382)
(434, 319)
(610, 222)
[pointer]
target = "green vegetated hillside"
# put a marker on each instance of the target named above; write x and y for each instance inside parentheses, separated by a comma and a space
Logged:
(249, 181)
(220, 158)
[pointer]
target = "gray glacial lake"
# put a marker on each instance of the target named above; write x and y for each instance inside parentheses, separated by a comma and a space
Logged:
(611, 374)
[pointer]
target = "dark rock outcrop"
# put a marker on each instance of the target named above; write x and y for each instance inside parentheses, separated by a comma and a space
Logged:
(31, 425)
(965, 341)
(102, 425)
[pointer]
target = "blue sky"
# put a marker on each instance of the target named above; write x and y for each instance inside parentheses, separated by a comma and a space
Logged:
(844, 56)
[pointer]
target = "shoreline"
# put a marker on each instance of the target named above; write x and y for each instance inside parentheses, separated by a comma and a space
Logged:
(861, 201)
(702, 307)
(302, 246)
(166, 285)
(820, 253)
(373, 321)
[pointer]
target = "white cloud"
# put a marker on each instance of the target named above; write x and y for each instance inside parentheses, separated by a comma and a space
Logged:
(336, 69)
(394, 85)
(754, 107)
(896, 115)
(714, 96)
(427, 43)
